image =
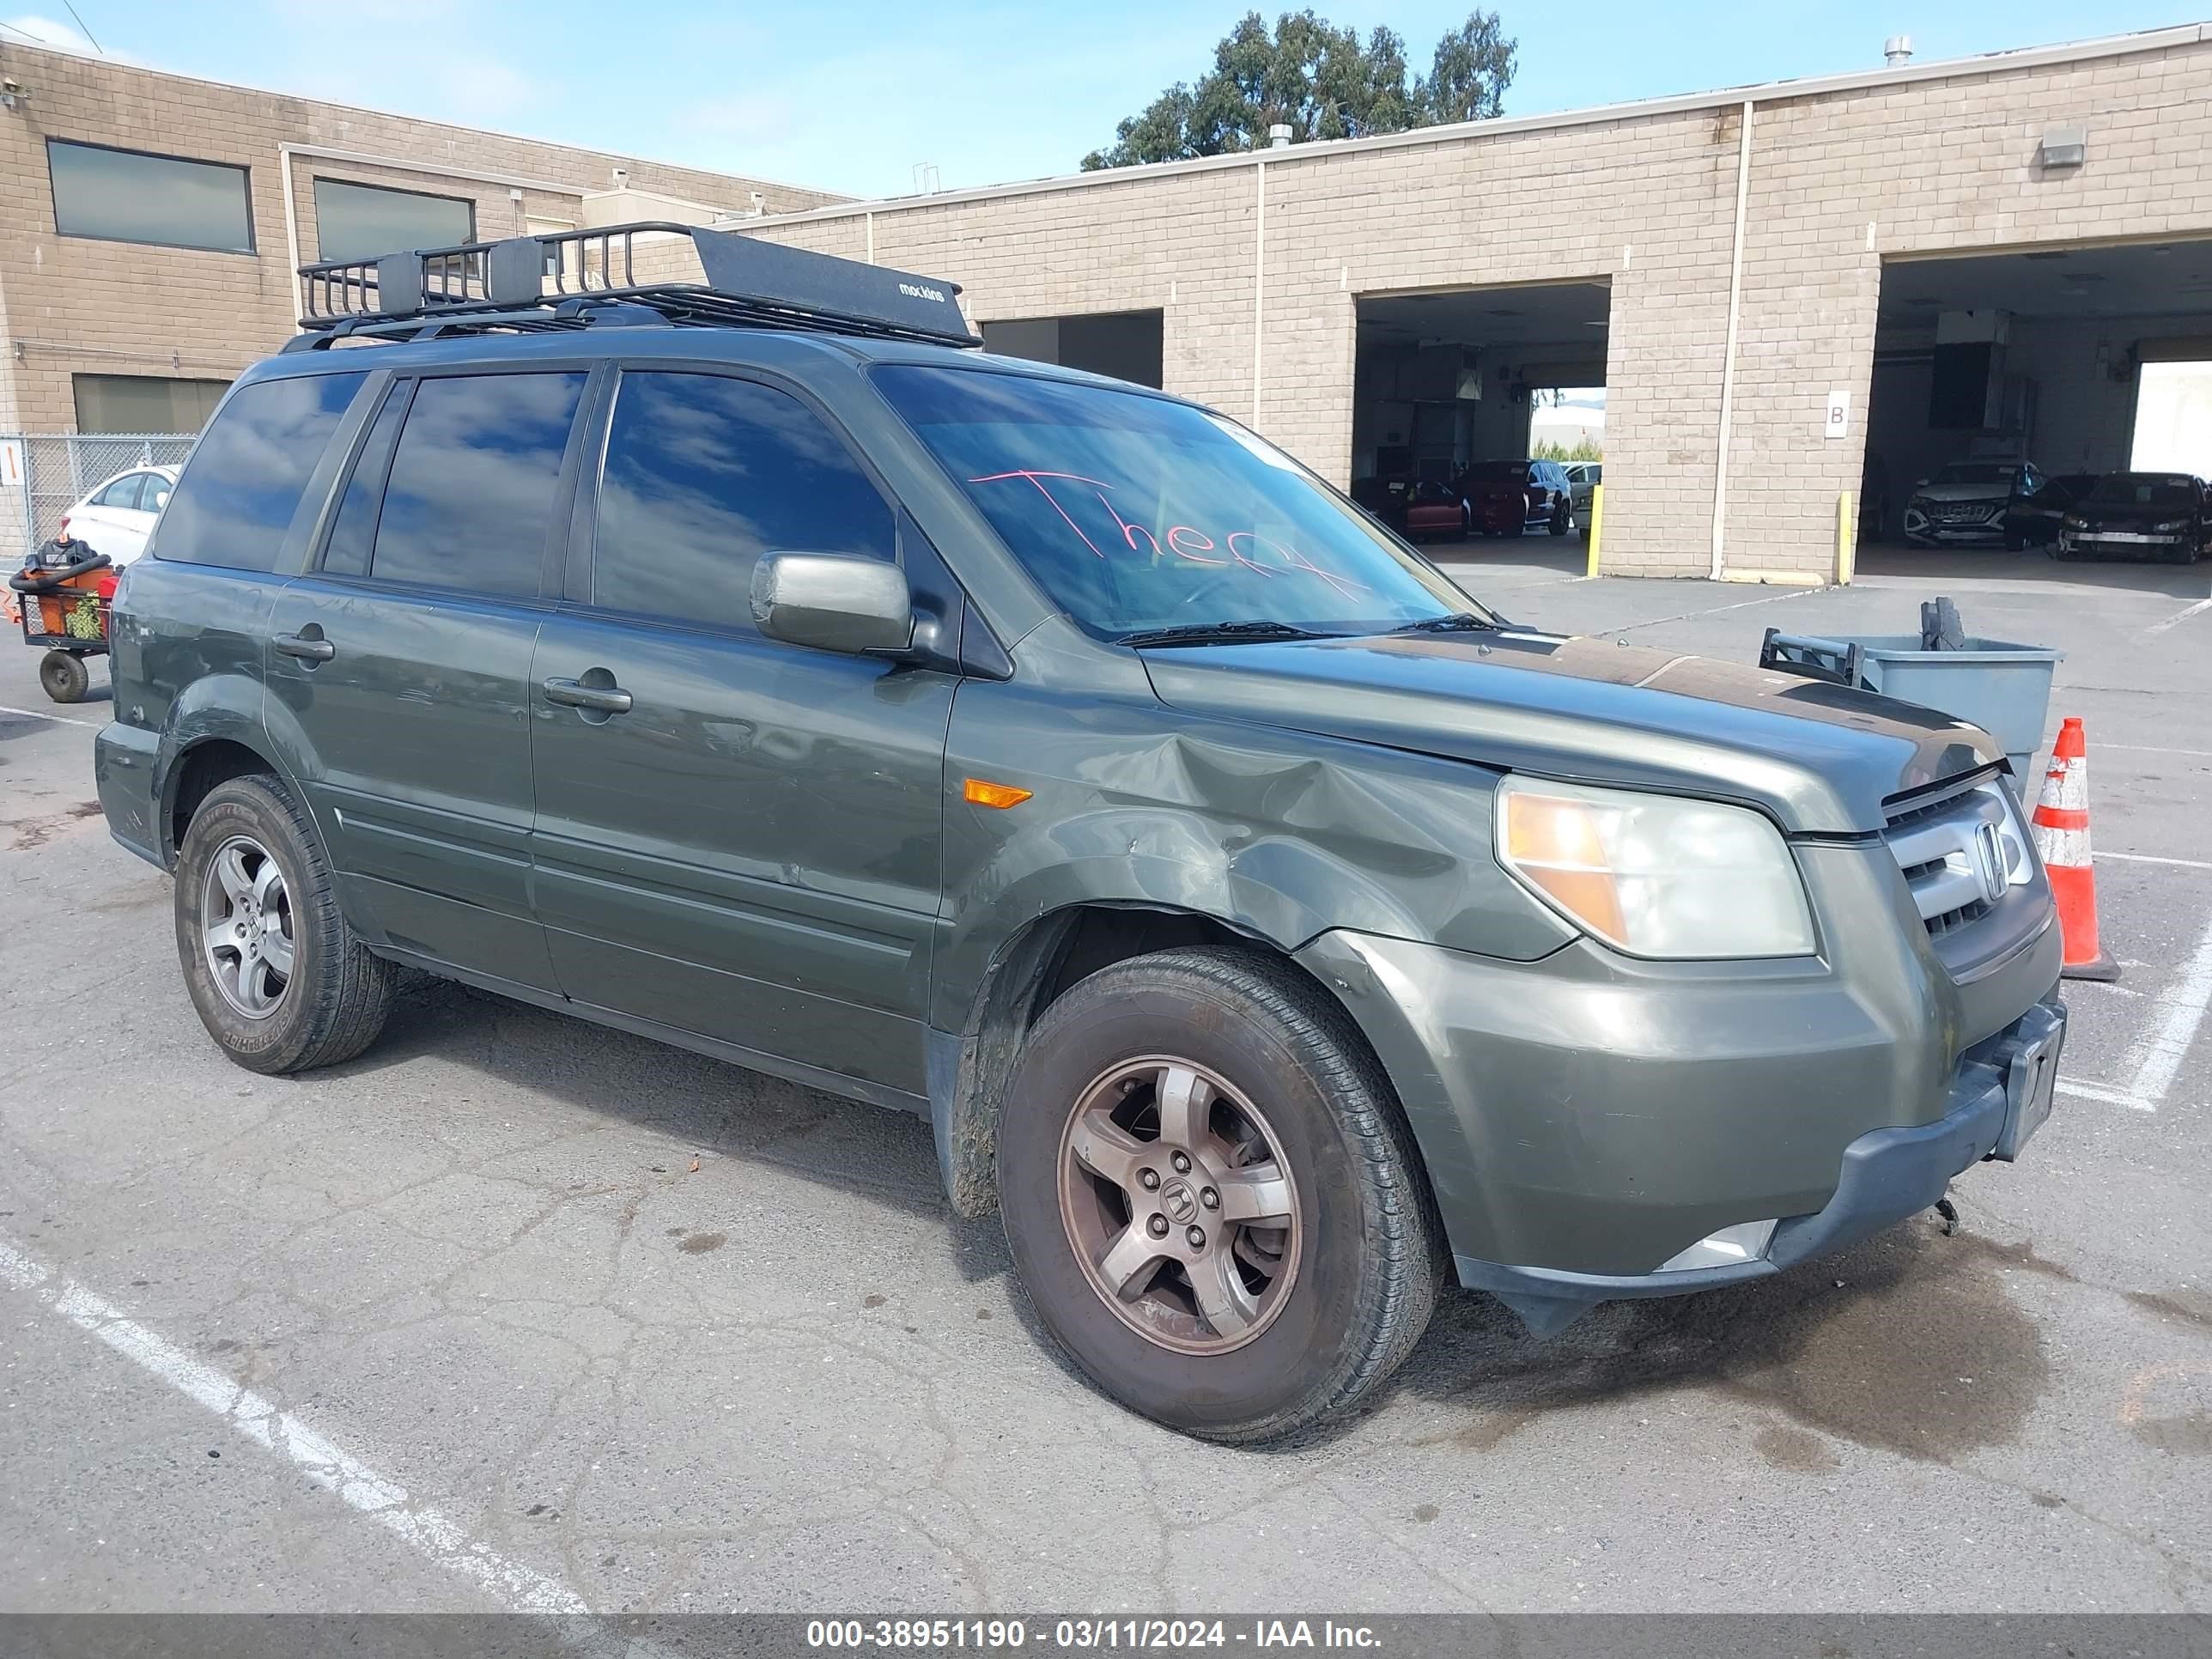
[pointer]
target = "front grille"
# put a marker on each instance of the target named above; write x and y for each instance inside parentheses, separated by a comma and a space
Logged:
(1934, 837)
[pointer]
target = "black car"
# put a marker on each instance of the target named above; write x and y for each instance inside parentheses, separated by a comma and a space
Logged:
(2034, 520)
(2139, 515)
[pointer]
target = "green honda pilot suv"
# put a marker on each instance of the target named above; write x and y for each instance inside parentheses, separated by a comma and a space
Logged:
(1271, 933)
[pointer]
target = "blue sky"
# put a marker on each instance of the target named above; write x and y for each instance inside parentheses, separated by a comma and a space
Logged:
(849, 94)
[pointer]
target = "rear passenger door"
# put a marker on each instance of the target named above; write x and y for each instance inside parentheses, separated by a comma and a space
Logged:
(400, 663)
(742, 842)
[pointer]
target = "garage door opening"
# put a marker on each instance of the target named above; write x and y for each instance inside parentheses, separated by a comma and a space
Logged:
(1462, 396)
(1129, 345)
(2005, 385)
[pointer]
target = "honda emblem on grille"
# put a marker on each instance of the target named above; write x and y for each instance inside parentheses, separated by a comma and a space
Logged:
(1990, 861)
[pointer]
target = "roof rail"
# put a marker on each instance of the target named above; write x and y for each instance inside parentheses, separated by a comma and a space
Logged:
(582, 278)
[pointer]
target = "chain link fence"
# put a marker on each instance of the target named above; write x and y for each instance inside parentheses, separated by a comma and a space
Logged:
(43, 474)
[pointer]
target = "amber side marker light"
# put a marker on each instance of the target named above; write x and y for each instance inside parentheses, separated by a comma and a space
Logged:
(994, 795)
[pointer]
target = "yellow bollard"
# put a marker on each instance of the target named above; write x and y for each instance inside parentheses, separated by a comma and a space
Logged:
(1597, 521)
(1846, 537)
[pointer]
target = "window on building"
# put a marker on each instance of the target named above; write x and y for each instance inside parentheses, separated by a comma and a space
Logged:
(235, 502)
(360, 221)
(474, 481)
(704, 473)
(145, 402)
(127, 196)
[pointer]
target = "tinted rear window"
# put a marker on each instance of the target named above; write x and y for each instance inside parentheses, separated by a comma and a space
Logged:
(474, 481)
(1497, 472)
(247, 473)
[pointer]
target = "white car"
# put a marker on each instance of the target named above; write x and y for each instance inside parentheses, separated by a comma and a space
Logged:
(1582, 476)
(117, 516)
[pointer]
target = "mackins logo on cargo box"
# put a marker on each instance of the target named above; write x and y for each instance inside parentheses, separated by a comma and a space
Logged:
(922, 291)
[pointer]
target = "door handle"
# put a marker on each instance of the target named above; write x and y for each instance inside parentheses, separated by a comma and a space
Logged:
(573, 694)
(308, 650)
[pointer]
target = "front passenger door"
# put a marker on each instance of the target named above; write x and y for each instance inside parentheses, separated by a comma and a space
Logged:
(736, 837)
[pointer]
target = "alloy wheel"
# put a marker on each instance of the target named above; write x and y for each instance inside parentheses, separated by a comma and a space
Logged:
(246, 927)
(1178, 1205)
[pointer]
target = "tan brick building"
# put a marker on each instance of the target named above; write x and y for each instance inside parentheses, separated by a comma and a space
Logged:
(1792, 294)
(94, 311)
(1751, 251)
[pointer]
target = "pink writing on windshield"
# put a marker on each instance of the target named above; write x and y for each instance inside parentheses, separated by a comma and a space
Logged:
(1183, 542)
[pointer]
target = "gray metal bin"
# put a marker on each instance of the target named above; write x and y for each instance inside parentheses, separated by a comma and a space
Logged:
(2003, 688)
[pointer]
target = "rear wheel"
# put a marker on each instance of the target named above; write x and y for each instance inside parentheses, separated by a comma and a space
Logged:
(63, 677)
(277, 975)
(1212, 1197)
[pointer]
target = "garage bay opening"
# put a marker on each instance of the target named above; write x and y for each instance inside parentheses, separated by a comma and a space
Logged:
(1480, 412)
(2011, 389)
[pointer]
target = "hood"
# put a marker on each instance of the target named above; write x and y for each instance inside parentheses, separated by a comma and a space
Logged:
(2130, 515)
(1820, 759)
(1963, 492)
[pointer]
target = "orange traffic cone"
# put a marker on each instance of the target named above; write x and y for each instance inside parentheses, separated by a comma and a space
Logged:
(2061, 838)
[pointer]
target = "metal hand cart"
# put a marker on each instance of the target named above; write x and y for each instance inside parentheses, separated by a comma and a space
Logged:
(65, 596)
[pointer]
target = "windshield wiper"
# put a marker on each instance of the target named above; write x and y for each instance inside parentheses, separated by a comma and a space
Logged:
(1459, 621)
(1221, 633)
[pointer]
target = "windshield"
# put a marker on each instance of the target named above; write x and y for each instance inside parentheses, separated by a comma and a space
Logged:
(1136, 513)
(1975, 472)
(2144, 489)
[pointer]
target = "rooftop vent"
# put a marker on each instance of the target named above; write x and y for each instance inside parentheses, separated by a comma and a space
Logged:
(1279, 135)
(1896, 50)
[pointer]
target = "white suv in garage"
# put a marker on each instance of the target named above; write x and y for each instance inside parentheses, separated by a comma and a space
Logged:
(1969, 502)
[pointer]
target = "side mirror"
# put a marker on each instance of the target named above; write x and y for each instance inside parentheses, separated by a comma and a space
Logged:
(833, 602)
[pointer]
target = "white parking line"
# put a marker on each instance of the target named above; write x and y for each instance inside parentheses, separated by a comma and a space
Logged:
(41, 714)
(2177, 618)
(428, 1531)
(2152, 858)
(2109, 1096)
(2160, 1054)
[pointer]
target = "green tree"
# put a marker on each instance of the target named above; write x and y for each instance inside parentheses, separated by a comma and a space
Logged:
(1322, 82)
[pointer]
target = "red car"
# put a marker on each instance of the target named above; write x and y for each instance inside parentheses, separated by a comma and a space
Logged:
(1505, 498)
(1435, 509)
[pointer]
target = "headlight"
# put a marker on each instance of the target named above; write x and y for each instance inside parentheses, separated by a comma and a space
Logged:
(2074, 521)
(2170, 526)
(1654, 875)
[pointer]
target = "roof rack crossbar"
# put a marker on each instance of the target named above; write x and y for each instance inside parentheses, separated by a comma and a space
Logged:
(577, 278)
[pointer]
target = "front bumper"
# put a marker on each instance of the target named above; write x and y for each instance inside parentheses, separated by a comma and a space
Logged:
(1884, 1177)
(1921, 525)
(1584, 1118)
(2122, 543)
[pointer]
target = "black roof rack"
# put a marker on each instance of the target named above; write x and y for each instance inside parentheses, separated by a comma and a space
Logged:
(588, 278)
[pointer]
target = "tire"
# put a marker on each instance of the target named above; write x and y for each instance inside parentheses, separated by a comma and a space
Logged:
(2016, 541)
(64, 677)
(1563, 521)
(333, 1002)
(1359, 1259)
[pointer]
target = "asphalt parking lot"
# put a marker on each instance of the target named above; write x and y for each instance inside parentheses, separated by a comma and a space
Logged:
(518, 1312)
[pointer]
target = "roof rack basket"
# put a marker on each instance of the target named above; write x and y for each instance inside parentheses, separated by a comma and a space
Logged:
(577, 278)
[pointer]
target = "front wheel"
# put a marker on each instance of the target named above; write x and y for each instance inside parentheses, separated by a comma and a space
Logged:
(1563, 521)
(275, 973)
(1212, 1197)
